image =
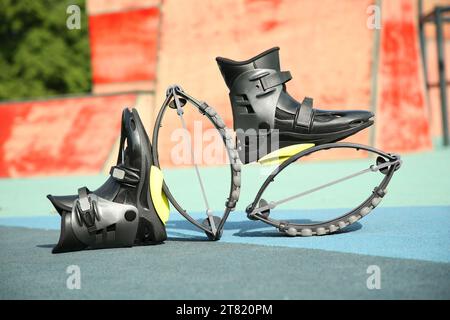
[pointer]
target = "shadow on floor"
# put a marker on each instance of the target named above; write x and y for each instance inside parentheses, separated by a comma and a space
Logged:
(244, 228)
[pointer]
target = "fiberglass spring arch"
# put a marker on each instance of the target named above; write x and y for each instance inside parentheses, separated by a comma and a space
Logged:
(386, 164)
(259, 209)
(177, 99)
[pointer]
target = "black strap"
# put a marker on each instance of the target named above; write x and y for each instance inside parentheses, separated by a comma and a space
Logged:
(275, 79)
(305, 114)
(85, 210)
(125, 175)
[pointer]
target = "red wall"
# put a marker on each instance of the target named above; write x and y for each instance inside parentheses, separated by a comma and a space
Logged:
(325, 44)
(402, 119)
(124, 49)
(60, 136)
(150, 44)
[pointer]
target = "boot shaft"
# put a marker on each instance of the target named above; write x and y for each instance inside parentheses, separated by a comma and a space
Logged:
(231, 69)
(263, 110)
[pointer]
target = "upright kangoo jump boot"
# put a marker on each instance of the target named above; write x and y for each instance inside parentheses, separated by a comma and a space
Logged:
(129, 209)
(264, 112)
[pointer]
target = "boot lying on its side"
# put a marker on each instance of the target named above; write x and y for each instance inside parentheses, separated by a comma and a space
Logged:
(130, 208)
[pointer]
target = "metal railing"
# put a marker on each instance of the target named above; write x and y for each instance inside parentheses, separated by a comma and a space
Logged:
(439, 16)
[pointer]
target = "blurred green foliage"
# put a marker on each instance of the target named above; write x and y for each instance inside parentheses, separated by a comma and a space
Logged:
(39, 55)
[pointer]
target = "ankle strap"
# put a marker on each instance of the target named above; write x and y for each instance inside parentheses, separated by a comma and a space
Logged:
(275, 79)
(86, 210)
(125, 175)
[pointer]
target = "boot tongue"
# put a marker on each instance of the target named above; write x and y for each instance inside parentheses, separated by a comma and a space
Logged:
(231, 69)
(269, 59)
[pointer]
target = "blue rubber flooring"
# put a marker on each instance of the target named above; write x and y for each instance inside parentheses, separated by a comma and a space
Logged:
(421, 233)
(407, 236)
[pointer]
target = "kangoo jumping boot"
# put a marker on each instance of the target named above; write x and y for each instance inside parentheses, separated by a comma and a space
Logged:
(129, 209)
(267, 118)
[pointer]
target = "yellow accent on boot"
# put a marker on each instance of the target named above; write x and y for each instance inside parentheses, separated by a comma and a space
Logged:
(157, 194)
(281, 155)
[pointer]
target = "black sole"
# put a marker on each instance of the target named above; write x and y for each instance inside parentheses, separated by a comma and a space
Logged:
(146, 210)
(249, 154)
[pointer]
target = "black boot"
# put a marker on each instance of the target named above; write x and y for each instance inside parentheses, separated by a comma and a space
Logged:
(125, 210)
(266, 117)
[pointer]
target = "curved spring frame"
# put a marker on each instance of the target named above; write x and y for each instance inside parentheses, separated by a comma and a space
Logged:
(387, 164)
(259, 209)
(176, 99)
